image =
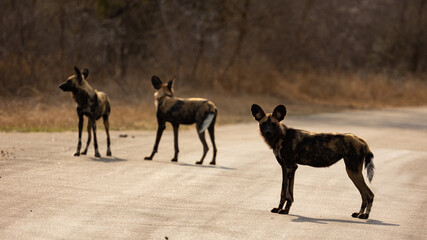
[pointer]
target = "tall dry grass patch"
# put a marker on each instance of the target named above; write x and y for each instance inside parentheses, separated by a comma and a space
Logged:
(357, 90)
(302, 93)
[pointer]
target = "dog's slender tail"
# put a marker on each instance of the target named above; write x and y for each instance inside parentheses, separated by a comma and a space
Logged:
(207, 122)
(369, 164)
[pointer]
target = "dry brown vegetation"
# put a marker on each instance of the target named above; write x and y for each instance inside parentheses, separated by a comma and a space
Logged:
(309, 55)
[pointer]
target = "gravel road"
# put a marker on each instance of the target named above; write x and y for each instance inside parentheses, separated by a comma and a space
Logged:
(47, 193)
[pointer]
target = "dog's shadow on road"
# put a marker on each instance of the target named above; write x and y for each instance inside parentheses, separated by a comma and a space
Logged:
(107, 159)
(326, 221)
(205, 166)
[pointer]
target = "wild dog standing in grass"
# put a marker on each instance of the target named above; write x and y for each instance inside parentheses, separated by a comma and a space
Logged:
(182, 111)
(294, 146)
(92, 104)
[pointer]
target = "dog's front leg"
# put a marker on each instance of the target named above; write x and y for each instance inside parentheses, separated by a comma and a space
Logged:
(89, 136)
(95, 142)
(283, 195)
(160, 129)
(290, 188)
(79, 144)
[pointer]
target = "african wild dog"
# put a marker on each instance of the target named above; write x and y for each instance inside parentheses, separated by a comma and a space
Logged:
(182, 111)
(92, 104)
(294, 146)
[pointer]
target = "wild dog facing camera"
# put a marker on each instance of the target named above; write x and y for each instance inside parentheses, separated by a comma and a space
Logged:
(294, 146)
(269, 124)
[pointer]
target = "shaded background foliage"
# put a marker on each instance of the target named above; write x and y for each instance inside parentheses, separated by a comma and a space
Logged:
(230, 45)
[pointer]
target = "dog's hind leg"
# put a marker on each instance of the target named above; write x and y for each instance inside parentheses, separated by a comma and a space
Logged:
(365, 192)
(107, 130)
(79, 144)
(370, 199)
(89, 136)
(370, 202)
(205, 146)
(95, 142)
(211, 130)
(175, 141)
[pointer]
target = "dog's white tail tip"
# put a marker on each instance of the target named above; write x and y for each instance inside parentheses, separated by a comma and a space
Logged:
(207, 122)
(370, 170)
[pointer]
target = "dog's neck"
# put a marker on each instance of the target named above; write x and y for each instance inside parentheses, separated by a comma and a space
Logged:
(83, 94)
(159, 99)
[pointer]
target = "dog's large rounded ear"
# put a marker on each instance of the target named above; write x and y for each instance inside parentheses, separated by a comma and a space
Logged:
(279, 112)
(157, 83)
(85, 72)
(170, 84)
(78, 74)
(257, 112)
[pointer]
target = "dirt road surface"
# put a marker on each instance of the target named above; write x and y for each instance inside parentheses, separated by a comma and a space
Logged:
(46, 193)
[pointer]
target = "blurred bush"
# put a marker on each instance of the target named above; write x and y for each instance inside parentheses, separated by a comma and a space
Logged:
(229, 45)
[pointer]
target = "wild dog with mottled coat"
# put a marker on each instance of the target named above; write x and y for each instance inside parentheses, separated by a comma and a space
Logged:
(183, 111)
(90, 103)
(294, 146)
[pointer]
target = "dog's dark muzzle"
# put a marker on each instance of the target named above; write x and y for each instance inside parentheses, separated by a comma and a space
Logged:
(267, 133)
(64, 87)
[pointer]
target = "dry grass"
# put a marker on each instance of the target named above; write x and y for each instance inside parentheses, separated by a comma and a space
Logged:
(301, 93)
(359, 91)
(33, 115)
